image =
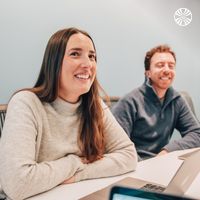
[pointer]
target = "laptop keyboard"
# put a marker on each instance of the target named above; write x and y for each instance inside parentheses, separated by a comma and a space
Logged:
(153, 188)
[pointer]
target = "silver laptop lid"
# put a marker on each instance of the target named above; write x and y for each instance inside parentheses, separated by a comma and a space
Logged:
(185, 175)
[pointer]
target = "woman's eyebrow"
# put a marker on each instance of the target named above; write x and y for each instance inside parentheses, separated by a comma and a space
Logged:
(93, 52)
(75, 49)
(80, 49)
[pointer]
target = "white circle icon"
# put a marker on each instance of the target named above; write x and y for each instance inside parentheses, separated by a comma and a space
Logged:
(183, 16)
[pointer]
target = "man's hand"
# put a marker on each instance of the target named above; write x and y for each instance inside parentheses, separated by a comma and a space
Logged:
(163, 152)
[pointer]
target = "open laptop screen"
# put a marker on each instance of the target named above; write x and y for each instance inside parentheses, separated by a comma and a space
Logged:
(124, 193)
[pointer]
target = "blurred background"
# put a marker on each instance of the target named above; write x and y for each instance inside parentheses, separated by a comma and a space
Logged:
(123, 30)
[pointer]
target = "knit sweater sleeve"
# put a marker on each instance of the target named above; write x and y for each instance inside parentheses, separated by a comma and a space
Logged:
(21, 176)
(120, 155)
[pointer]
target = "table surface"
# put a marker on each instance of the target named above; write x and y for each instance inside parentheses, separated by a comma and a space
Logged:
(158, 169)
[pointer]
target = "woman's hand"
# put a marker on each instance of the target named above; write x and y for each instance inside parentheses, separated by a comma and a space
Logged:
(69, 180)
(85, 160)
(72, 179)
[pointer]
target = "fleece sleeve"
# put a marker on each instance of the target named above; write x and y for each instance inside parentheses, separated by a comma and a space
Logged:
(188, 126)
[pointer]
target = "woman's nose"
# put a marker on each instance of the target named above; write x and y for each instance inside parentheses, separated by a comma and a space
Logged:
(86, 62)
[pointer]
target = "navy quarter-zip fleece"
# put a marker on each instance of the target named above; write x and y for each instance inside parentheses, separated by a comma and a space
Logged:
(150, 123)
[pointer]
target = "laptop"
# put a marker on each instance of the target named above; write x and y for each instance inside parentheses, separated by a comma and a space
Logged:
(125, 193)
(178, 185)
(187, 155)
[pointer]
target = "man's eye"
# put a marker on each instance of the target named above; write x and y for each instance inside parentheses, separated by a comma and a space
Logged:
(172, 66)
(160, 65)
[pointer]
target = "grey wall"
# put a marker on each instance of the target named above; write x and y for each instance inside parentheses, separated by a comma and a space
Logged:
(123, 30)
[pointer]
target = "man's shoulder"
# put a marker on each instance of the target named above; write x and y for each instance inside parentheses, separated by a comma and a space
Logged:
(128, 101)
(176, 96)
(132, 95)
(179, 100)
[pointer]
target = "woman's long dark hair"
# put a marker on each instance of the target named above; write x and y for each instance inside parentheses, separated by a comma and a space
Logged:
(91, 133)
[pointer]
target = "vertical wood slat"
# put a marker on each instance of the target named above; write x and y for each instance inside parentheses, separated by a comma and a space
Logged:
(3, 108)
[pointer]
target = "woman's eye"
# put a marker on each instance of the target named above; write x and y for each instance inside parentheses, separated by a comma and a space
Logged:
(92, 57)
(74, 54)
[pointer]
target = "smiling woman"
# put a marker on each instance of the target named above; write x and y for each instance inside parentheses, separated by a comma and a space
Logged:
(78, 68)
(60, 131)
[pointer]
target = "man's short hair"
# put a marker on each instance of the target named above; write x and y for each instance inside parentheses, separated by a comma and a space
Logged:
(158, 49)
